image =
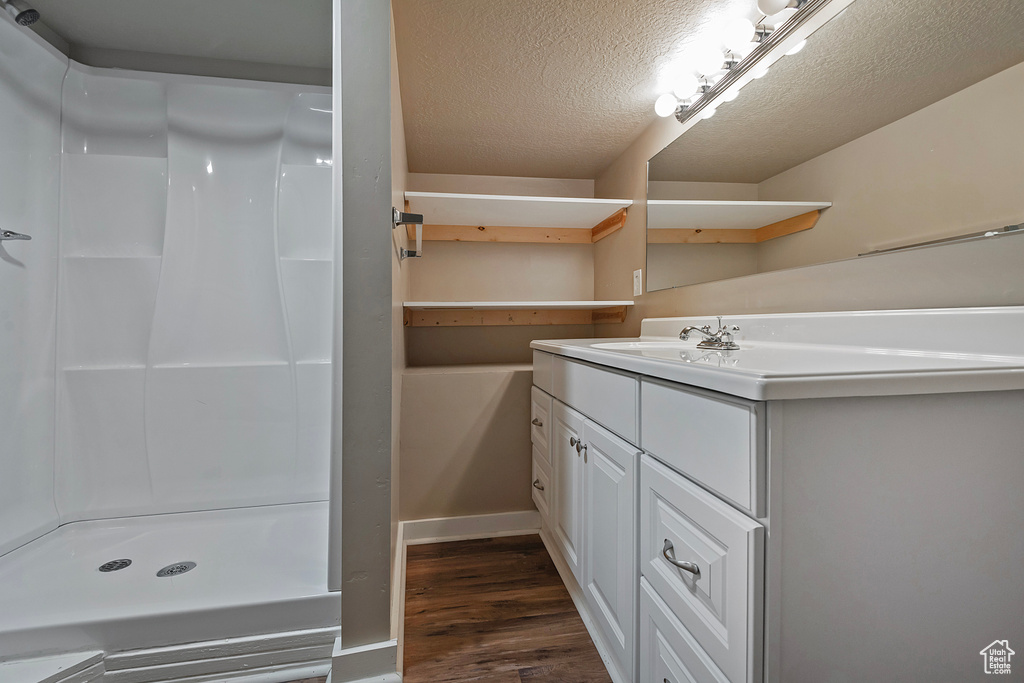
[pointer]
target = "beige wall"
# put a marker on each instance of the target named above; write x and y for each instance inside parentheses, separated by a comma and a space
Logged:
(960, 275)
(399, 285)
(492, 184)
(468, 271)
(465, 441)
(671, 189)
(673, 265)
(954, 167)
(465, 447)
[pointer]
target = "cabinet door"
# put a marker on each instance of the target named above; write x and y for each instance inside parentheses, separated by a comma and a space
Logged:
(540, 424)
(567, 473)
(610, 566)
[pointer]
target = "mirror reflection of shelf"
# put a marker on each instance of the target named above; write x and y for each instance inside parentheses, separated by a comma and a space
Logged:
(494, 313)
(511, 218)
(671, 221)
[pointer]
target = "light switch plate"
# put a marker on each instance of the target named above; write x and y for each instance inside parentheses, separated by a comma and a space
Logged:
(638, 282)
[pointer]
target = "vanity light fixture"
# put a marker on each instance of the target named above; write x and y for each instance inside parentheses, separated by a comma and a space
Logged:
(751, 49)
(796, 48)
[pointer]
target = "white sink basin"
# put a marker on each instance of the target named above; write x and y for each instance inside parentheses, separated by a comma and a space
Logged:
(643, 345)
(817, 355)
(767, 359)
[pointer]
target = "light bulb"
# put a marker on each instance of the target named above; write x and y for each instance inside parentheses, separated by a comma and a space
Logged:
(780, 18)
(684, 85)
(708, 59)
(770, 7)
(665, 105)
(737, 33)
(708, 113)
(796, 48)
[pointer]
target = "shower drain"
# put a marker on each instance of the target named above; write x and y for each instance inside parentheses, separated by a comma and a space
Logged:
(176, 568)
(114, 565)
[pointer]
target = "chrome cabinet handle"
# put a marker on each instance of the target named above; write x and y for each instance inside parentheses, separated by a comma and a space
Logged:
(537, 485)
(574, 442)
(584, 452)
(537, 423)
(685, 566)
(11, 235)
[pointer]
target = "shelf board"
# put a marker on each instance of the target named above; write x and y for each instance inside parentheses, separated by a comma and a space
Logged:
(511, 218)
(493, 313)
(737, 222)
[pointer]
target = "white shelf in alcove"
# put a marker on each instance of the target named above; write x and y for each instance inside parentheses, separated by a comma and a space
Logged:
(686, 217)
(513, 218)
(488, 313)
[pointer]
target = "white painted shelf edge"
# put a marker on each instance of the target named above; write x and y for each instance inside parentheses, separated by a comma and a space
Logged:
(442, 208)
(723, 215)
(513, 305)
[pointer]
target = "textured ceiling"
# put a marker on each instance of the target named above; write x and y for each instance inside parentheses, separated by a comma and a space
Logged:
(536, 87)
(294, 33)
(877, 62)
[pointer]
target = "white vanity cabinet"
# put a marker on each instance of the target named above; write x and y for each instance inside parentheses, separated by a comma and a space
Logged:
(540, 435)
(840, 499)
(612, 509)
(567, 508)
(590, 521)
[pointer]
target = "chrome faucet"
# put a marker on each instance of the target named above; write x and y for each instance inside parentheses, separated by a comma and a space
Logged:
(721, 340)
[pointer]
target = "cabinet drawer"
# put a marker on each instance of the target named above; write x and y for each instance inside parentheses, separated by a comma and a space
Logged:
(722, 606)
(540, 423)
(608, 397)
(541, 487)
(668, 653)
(716, 440)
(542, 370)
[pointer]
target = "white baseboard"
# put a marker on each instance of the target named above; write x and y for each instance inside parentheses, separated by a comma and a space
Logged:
(268, 658)
(72, 667)
(578, 599)
(398, 597)
(443, 529)
(374, 662)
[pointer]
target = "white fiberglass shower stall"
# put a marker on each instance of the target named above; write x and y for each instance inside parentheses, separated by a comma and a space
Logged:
(165, 370)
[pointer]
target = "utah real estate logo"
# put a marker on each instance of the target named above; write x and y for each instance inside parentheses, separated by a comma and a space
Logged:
(997, 657)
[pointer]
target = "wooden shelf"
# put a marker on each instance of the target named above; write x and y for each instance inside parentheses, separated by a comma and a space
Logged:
(492, 313)
(510, 218)
(672, 221)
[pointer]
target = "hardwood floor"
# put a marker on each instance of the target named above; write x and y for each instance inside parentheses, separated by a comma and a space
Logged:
(493, 610)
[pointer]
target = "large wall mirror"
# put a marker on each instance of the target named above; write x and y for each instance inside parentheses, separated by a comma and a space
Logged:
(903, 118)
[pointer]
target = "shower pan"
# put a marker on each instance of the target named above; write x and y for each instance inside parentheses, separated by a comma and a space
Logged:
(166, 371)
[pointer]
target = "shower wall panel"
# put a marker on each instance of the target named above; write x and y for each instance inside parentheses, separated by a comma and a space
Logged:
(30, 80)
(195, 312)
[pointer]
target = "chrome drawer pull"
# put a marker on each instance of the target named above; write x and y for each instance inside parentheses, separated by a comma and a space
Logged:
(537, 423)
(685, 566)
(537, 485)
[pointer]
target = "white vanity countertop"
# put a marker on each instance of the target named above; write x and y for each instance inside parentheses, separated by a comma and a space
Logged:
(817, 355)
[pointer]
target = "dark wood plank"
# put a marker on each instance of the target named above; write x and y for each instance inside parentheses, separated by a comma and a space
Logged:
(493, 610)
